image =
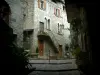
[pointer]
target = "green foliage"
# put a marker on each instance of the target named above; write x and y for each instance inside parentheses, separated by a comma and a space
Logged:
(76, 24)
(76, 51)
(37, 50)
(82, 61)
(83, 58)
(20, 60)
(66, 47)
(75, 28)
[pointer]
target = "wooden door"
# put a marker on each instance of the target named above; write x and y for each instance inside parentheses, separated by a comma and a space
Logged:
(60, 50)
(41, 47)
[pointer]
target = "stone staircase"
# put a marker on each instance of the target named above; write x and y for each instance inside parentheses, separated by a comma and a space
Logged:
(53, 38)
(48, 33)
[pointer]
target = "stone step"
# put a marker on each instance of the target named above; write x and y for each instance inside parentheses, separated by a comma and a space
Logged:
(55, 73)
(54, 66)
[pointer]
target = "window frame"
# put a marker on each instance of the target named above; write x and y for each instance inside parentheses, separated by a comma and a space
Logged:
(57, 12)
(60, 28)
(40, 29)
(48, 24)
(42, 4)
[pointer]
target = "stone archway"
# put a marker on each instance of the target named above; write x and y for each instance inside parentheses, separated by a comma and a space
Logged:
(5, 11)
(6, 32)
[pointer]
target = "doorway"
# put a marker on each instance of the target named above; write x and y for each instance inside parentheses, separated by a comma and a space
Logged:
(41, 47)
(60, 50)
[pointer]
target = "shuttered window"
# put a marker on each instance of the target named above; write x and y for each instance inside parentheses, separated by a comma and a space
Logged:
(60, 28)
(57, 12)
(54, 11)
(42, 4)
(38, 3)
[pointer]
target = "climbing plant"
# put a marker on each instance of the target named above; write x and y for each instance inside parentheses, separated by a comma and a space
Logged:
(76, 24)
(75, 29)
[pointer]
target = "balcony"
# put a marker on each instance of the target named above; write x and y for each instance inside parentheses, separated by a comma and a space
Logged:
(43, 35)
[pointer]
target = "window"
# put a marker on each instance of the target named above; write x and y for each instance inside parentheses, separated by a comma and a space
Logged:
(49, 24)
(42, 4)
(41, 26)
(46, 23)
(57, 12)
(61, 28)
(58, 27)
(27, 38)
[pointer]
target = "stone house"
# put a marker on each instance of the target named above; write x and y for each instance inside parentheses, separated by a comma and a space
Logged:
(46, 29)
(40, 27)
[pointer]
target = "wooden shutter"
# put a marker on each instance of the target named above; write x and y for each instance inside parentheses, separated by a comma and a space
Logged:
(41, 47)
(38, 3)
(44, 4)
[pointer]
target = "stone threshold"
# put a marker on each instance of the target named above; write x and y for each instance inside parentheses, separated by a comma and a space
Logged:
(53, 63)
(57, 70)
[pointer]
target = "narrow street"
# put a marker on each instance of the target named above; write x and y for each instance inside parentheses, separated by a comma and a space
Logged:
(54, 67)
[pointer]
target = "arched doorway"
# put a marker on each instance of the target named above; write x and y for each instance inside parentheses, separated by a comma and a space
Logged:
(6, 32)
(5, 11)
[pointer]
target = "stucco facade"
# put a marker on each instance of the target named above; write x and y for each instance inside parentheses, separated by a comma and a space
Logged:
(40, 15)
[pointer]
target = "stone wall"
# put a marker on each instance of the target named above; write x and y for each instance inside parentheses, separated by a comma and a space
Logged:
(16, 19)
